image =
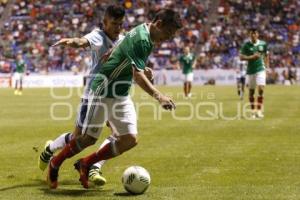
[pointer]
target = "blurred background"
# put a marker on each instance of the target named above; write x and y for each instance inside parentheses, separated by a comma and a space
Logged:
(215, 31)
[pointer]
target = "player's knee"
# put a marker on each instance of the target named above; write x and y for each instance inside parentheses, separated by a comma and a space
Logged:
(86, 140)
(131, 140)
(127, 142)
(77, 132)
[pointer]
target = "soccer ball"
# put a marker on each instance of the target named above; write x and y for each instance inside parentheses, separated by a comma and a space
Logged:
(136, 180)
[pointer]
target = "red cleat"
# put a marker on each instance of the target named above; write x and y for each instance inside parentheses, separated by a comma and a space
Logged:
(52, 176)
(83, 172)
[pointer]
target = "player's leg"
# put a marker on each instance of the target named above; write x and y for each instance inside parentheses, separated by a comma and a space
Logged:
(123, 120)
(53, 146)
(16, 83)
(252, 85)
(185, 86)
(93, 124)
(243, 81)
(95, 173)
(189, 81)
(238, 86)
(261, 82)
(21, 84)
(189, 94)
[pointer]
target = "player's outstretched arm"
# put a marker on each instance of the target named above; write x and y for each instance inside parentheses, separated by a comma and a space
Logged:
(141, 79)
(73, 42)
(251, 57)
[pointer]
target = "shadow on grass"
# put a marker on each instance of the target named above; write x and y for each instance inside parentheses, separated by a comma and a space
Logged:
(125, 194)
(34, 183)
(65, 188)
(63, 191)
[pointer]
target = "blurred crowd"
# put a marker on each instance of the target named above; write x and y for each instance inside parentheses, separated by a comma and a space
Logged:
(35, 25)
(278, 23)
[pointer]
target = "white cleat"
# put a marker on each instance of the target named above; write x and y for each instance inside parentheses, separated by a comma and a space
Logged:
(253, 115)
(259, 114)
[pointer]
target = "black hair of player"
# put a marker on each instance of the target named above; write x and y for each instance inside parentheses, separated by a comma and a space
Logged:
(253, 30)
(169, 18)
(115, 11)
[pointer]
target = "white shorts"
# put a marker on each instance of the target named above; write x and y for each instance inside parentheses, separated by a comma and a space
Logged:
(119, 112)
(18, 76)
(257, 79)
(188, 77)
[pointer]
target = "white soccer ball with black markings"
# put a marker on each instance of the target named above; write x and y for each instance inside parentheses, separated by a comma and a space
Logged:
(136, 179)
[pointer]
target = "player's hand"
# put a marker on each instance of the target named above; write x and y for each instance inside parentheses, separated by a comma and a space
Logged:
(149, 73)
(64, 42)
(255, 56)
(167, 103)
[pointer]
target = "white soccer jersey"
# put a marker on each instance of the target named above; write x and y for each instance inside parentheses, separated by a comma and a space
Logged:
(100, 43)
(241, 67)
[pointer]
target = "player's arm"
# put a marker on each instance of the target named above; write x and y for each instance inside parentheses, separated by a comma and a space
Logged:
(194, 62)
(244, 51)
(141, 79)
(250, 57)
(267, 60)
(73, 42)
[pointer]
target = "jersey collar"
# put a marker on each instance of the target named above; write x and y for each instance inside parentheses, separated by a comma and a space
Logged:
(148, 31)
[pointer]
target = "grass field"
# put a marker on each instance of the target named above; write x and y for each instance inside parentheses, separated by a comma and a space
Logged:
(212, 159)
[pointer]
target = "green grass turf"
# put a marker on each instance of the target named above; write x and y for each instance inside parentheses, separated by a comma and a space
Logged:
(187, 159)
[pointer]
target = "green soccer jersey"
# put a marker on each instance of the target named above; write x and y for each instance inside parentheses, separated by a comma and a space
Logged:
(249, 49)
(20, 66)
(115, 75)
(186, 62)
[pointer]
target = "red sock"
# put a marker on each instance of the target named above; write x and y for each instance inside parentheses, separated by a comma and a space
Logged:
(260, 100)
(252, 102)
(104, 153)
(68, 151)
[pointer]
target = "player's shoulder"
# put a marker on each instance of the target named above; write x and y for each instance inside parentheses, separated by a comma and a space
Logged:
(141, 34)
(98, 32)
(262, 42)
(247, 43)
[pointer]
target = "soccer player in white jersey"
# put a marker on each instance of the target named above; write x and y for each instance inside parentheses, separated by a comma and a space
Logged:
(99, 41)
(241, 67)
(110, 100)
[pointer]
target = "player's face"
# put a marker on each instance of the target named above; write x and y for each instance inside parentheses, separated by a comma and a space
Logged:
(186, 50)
(254, 36)
(113, 27)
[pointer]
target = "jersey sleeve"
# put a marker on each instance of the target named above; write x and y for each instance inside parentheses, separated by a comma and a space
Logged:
(138, 54)
(95, 39)
(266, 49)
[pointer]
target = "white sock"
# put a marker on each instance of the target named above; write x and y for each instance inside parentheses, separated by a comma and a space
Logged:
(60, 142)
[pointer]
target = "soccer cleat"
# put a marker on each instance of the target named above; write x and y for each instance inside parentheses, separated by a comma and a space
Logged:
(259, 114)
(83, 172)
(16, 92)
(20, 93)
(253, 114)
(96, 176)
(52, 177)
(45, 156)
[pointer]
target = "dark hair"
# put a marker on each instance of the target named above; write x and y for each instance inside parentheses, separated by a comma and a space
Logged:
(253, 29)
(169, 17)
(115, 11)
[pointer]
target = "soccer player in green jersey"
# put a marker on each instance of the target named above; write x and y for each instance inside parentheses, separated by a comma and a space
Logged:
(187, 63)
(256, 53)
(109, 100)
(18, 76)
